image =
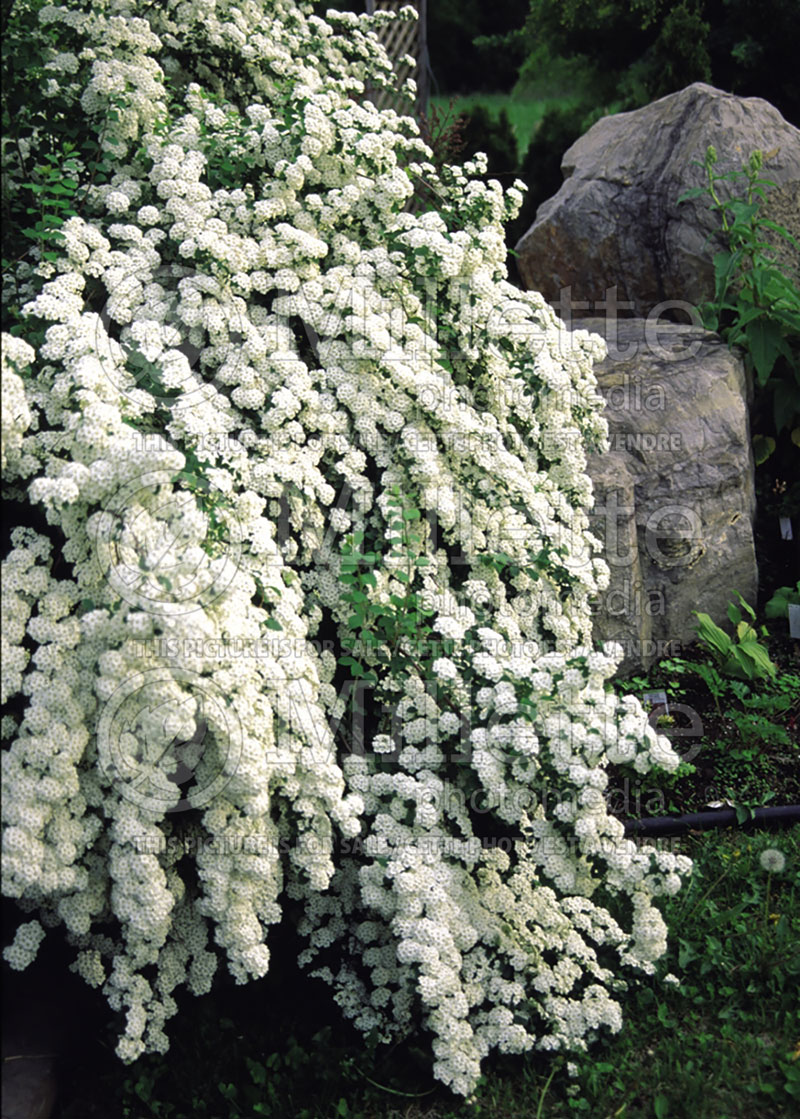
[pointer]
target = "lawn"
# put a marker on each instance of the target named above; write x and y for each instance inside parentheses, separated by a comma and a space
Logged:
(524, 113)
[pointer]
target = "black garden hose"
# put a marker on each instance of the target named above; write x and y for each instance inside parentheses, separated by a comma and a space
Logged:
(781, 816)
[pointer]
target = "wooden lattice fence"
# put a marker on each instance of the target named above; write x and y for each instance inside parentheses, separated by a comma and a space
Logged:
(404, 38)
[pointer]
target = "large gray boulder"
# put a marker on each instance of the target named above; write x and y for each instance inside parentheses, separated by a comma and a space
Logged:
(616, 221)
(674, 495)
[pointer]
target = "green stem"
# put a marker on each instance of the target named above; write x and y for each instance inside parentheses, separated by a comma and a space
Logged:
(544, 1093)
(700, 900)
(715, 197)
(767, 900)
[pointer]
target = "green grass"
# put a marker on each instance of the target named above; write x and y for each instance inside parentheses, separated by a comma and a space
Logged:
(545, 83)
(524, 113)
(724, 1045)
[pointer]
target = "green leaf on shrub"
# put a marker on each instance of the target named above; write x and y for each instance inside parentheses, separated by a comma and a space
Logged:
(763, 446)
(763, 341)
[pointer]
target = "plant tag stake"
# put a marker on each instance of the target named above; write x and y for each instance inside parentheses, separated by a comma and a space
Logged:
(794, 621)
(657, 699)
(786, 528)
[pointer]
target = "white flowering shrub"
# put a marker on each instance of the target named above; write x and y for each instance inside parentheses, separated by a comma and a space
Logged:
(304, 620)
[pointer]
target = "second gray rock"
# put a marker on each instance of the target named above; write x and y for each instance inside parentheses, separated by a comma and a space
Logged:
(674, 495)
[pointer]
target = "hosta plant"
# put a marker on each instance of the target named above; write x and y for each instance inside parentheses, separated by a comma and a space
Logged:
(741, 656)
(297, 604)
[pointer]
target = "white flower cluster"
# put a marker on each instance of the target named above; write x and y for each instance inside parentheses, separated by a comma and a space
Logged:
(284, 342)
(22, 951)
(16, 415)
